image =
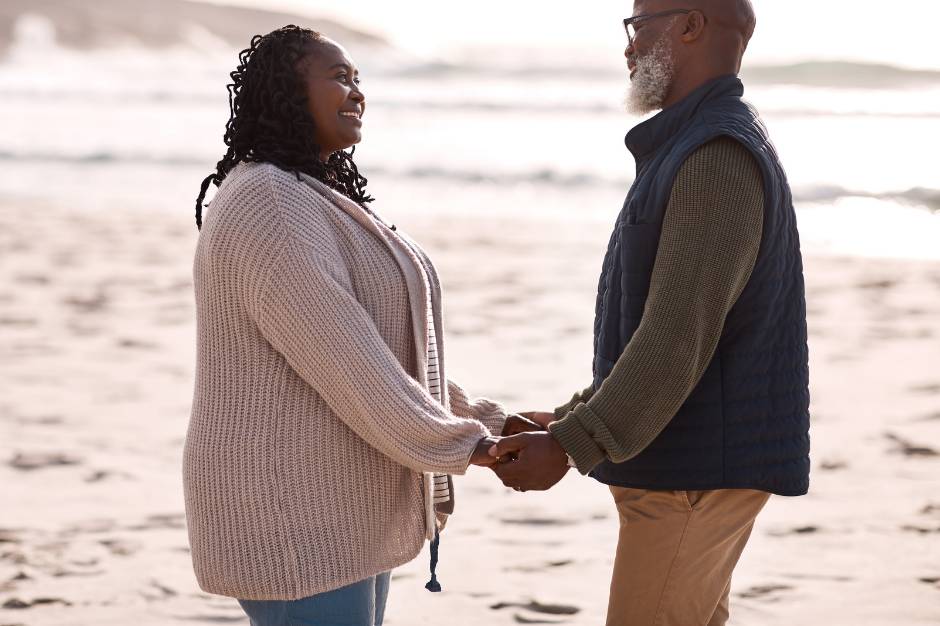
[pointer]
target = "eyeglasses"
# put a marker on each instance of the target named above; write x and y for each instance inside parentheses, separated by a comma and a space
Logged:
(629, 24)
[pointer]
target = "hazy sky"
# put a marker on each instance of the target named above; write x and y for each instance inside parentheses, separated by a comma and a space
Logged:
(901, 32)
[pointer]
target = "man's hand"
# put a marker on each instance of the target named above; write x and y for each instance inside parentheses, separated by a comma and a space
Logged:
(481, 454)
(538, 461)
(516, 424)
(542, 418)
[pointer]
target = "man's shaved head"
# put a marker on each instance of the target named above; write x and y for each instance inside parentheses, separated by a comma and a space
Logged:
(736, 15)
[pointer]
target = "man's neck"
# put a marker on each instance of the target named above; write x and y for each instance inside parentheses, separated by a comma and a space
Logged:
(683, 86)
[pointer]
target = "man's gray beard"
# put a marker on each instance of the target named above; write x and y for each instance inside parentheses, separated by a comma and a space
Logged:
(651, 80)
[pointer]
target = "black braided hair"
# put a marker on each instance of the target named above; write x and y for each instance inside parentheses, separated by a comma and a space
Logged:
(269, 120)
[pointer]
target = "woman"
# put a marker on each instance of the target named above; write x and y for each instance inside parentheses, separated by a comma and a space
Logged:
(320, 417)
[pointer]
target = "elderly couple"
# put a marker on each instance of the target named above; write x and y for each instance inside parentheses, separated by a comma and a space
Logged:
(324, 429)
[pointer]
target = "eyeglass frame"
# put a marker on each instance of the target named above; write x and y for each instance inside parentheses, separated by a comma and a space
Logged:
(630, 21)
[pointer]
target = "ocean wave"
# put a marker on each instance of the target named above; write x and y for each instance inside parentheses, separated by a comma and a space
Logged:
(812, 194)
(217, 99)
(915, 196)
(840, 74)
(100, 158)
(833, 74)
(549, 177)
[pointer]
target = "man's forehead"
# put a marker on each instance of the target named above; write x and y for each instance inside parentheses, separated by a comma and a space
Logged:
(641, 7)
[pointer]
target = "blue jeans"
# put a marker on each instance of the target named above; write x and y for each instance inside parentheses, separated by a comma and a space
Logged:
(358, 604)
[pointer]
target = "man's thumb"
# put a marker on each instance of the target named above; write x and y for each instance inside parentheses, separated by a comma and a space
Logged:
(508, 444)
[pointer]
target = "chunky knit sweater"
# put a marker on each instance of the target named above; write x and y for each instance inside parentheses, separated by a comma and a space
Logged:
(312, 437)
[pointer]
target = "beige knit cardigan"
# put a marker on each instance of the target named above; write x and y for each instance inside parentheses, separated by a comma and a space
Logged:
(312, 434)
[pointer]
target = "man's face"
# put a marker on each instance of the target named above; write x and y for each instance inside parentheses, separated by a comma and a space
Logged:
(650, 60)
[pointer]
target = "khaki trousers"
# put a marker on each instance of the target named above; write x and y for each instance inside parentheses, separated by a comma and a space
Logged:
(676, 553)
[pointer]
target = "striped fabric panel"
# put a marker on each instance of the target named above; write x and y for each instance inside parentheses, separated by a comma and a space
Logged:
(441, 481)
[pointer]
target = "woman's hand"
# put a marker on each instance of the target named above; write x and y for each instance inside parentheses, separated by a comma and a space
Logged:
(481, 454)
(542, 418)
(516, 424)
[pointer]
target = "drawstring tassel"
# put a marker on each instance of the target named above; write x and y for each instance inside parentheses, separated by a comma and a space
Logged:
(433, 586)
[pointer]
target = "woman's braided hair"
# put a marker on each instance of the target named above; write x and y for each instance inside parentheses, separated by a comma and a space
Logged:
(269, 119)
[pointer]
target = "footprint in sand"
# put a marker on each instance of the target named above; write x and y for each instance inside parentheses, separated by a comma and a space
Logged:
(88, 304)
(909, 449)
(799, 530)
(832, 465)
(16, 603)
(929, 388)
(537, 607)
(136, 344)
(877, 285)
(21, 322)
(157, 591)
(8, 535)
(29, 461)
(539, 567)
(32, 279)
(120, 547)
(163, 521)
(11, 583)
(770, 593)
(931, 509)
(538, 521)
(921, 530)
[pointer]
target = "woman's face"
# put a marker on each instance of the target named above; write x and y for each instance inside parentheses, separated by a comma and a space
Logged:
(334, 100)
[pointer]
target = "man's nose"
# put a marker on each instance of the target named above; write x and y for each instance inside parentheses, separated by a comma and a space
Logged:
(629, 51)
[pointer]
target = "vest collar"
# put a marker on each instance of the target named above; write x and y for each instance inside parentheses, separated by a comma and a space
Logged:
(644, 138)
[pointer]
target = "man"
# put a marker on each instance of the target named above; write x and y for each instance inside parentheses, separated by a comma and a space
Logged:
(698, 409)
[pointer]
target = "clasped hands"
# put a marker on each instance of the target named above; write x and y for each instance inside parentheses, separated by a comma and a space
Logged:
(526, 456)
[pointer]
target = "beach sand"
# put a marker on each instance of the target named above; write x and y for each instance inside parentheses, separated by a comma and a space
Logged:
(96, 369)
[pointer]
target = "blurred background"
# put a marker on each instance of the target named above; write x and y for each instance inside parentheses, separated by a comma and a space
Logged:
(494, 134)
(517, 101)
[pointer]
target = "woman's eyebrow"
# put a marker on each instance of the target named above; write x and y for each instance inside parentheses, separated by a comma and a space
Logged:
(345, 67)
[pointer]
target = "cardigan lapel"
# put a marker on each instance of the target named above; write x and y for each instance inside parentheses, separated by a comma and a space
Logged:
(410, 265)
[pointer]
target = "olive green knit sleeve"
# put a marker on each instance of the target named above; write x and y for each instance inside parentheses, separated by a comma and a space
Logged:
(710, 238)
(576, 399)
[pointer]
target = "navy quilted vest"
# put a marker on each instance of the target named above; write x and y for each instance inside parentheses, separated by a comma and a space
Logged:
(746, 423)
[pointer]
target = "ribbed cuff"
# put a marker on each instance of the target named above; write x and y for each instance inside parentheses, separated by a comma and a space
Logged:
(568, 406)
(577, 442)
(564, 409)
(576, 399)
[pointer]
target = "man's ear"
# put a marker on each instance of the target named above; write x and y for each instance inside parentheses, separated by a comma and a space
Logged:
(694, 26)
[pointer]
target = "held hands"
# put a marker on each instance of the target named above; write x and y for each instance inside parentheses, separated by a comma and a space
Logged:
(530, 461)
(514, 424)
(526, 456)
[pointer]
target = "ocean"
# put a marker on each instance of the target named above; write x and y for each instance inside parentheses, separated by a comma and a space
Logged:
(128, 125)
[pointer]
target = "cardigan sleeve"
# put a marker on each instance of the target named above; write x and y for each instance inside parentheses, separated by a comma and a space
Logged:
(304, 306)
(491, 414)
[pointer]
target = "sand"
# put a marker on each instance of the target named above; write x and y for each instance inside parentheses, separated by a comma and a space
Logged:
(96, 367)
